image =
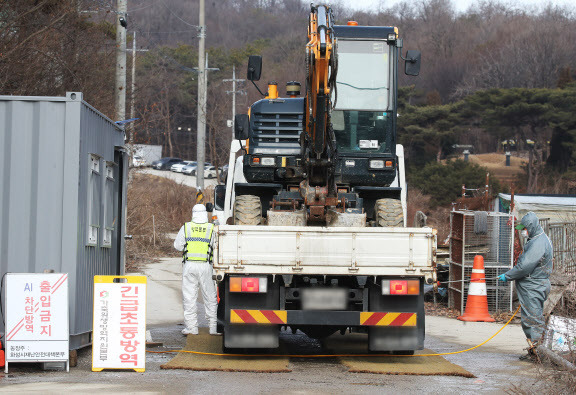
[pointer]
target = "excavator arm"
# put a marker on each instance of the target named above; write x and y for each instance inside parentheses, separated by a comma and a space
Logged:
(319, 61)
(318, 143)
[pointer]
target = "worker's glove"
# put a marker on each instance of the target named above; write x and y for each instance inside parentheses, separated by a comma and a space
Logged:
(502, 278)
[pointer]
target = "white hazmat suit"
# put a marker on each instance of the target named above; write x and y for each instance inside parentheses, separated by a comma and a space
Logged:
(197, 275)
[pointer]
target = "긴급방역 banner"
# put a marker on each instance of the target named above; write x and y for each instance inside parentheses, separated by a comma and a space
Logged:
(119, 332)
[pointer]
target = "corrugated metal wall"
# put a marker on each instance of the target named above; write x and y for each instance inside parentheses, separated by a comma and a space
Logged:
(48, 188)
(97, 259)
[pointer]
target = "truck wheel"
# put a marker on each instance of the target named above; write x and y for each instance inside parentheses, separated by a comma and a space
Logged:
(247, 210)
(389, 213)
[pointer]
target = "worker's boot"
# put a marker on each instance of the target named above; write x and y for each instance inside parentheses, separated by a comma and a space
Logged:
(531, 356)
(214, 328)
(190, 331)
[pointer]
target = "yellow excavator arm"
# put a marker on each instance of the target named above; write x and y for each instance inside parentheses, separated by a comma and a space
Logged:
(319, 62)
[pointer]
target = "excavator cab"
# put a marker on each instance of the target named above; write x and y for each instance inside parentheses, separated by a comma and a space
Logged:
(364, 104)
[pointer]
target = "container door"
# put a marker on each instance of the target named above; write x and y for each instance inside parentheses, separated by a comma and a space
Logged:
(119, 211)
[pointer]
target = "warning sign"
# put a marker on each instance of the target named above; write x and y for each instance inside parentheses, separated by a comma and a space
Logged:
(119, 337)
(36, 317)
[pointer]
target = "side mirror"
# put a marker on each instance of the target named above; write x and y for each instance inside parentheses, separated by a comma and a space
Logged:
(209, 207)
(254, 67)
(241, 127)
(412, 65)
(219, 197)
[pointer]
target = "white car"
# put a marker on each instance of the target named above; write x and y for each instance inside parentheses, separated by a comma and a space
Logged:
(210, 172)
(179, 166)
(138, 161)
(190, 169)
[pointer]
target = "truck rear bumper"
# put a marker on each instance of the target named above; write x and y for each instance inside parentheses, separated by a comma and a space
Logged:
(329, 318)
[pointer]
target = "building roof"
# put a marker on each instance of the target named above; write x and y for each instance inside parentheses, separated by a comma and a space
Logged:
(555, 207)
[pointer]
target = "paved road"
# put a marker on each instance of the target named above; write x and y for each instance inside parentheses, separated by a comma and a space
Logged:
(180, 178)
(496, 365)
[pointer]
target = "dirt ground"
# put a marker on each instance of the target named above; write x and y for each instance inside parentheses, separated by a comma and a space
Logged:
(496, 165)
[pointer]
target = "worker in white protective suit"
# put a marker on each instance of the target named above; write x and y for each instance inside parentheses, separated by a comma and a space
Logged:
(195, 239)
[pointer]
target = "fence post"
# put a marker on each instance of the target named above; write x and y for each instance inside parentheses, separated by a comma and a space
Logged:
(154, 230)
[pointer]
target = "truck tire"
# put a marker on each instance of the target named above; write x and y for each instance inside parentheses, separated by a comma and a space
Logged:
(389, 213)
(247, 210)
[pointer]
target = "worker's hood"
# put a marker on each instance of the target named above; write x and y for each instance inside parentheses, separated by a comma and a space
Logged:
(199, 214)
(532, 224)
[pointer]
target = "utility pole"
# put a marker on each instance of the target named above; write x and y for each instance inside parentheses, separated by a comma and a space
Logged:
(121, 60)
(205, 89)
(133, 88)
(233, 91)
(201, 129)
(132, 96)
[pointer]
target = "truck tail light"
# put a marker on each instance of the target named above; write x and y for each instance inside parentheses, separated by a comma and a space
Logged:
(248, 284)
(235, 284)
(413, 287)
(400, 287)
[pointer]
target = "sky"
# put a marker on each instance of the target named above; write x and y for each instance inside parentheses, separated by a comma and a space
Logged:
(459, 5)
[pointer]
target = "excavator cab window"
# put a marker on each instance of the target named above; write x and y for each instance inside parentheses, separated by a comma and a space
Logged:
(363, 78)
(363, 131)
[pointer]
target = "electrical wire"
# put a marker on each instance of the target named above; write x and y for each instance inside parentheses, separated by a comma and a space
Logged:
(175, 15)
(152, 2)
(471, 280)
(362, 89)
(341, 355)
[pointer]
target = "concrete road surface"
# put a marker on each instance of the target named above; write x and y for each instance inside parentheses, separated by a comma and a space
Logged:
(496, 364)
(180, 178)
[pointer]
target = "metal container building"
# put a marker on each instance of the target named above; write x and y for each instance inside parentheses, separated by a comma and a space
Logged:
(62, 196)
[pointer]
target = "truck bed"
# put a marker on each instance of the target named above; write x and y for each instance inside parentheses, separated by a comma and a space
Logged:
(320, 250)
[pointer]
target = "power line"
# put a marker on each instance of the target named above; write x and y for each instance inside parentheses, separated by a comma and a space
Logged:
(172, 32)
(176, 16)
(143, 7)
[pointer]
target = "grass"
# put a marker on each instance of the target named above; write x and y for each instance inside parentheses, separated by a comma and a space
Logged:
(157, 208)
(496, 165)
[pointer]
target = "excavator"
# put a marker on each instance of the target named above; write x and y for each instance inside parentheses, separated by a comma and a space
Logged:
(328, 158)
(313, 214)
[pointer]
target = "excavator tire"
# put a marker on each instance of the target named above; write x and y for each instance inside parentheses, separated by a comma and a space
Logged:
(389, 213)
(247, 210)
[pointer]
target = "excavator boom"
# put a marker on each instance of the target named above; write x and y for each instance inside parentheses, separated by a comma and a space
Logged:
(319, 61)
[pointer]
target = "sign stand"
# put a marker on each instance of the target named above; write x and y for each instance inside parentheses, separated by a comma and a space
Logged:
(119, 331)
(37, 326)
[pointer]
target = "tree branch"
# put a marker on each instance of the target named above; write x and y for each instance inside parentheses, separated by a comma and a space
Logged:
(7, 54)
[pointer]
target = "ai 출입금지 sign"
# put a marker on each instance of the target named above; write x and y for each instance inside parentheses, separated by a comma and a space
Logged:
(37, 327)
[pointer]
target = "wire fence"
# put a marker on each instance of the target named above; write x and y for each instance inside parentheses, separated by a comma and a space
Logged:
(490, 235)
(563, 238)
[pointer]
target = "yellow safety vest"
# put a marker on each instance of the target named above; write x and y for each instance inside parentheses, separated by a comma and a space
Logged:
(198, 238)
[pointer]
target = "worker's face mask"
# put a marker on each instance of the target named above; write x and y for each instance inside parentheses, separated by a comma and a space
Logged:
(524, 233)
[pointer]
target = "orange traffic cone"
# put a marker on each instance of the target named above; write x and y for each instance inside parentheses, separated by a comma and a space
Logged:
(477, 302)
